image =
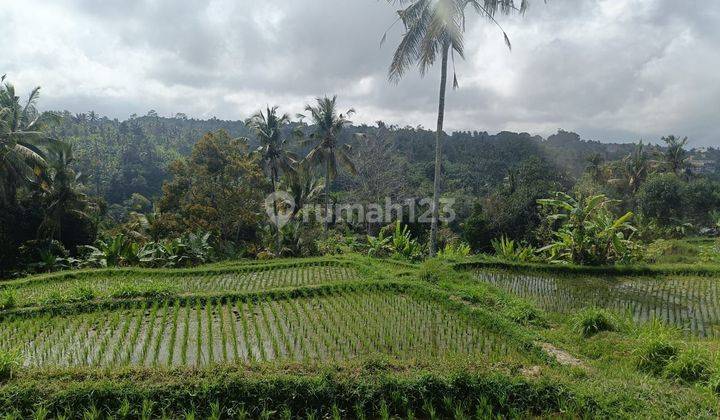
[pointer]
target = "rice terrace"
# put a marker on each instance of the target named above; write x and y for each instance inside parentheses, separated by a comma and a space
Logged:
(346, 336)
(359, 209)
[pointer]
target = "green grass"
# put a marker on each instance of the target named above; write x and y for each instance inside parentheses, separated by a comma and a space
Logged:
(371, 387)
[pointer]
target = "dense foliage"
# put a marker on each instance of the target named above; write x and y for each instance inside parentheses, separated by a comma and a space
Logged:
(72, 181)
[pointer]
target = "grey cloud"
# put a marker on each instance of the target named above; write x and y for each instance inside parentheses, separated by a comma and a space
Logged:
(611, 70)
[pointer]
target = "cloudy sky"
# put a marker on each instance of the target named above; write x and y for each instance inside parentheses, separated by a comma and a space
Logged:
(612, 70)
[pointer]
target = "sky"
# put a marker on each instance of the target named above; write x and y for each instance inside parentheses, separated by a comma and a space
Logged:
(610, 70)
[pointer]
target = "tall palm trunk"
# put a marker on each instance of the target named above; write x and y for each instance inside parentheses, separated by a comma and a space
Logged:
(438, 151)
(273, 175)
(327, 189)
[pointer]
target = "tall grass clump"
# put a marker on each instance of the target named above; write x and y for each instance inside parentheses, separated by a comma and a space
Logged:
(656, 349)
(9, 362)
(690, 366)
(591, 321)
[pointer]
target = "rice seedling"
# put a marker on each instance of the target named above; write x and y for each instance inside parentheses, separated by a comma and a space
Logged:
(329, 326)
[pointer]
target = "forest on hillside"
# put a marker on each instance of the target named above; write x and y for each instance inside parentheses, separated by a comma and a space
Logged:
(150, 187)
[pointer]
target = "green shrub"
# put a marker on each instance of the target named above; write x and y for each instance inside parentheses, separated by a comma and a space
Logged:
(588, 231)
(395, 241)
(54, 298)
(9, 361)
(433, 271)
(153, 291)
(7, 299)
(403, 245)
(654, 354)
(43, 255)
(82, 294)
(337, 244)
(592, 321)
(692, 365)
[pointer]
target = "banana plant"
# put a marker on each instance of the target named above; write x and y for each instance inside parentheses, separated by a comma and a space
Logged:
(587, 231)
(379, 246)
(115, 251)
(455, 252)
(403, 244)
(510, 250)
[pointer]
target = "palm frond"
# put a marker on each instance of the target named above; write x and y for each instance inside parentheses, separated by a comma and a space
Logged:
(346, 162)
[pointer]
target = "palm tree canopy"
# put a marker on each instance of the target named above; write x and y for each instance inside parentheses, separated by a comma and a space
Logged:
(675, 154)
(268, 130)
(23, 146)
(328, 124)
(432, 25)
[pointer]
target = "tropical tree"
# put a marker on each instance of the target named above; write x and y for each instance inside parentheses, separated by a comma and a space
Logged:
(22, 142)
(216, 189)
(675, 155)
(664, 199)
(275, 158)
(594, 165)
(435, 28)
(328, 125)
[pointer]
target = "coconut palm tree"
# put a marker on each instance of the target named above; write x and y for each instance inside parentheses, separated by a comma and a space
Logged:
(675, 156)
(63, 198)
(435, 28)
(275, 157)
(328, 125)
(511, 179)
(594, 165)
(303, 185)
(634, 170)
(22, 143)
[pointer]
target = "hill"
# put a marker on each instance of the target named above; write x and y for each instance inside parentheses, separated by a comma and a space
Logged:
(119, 158)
